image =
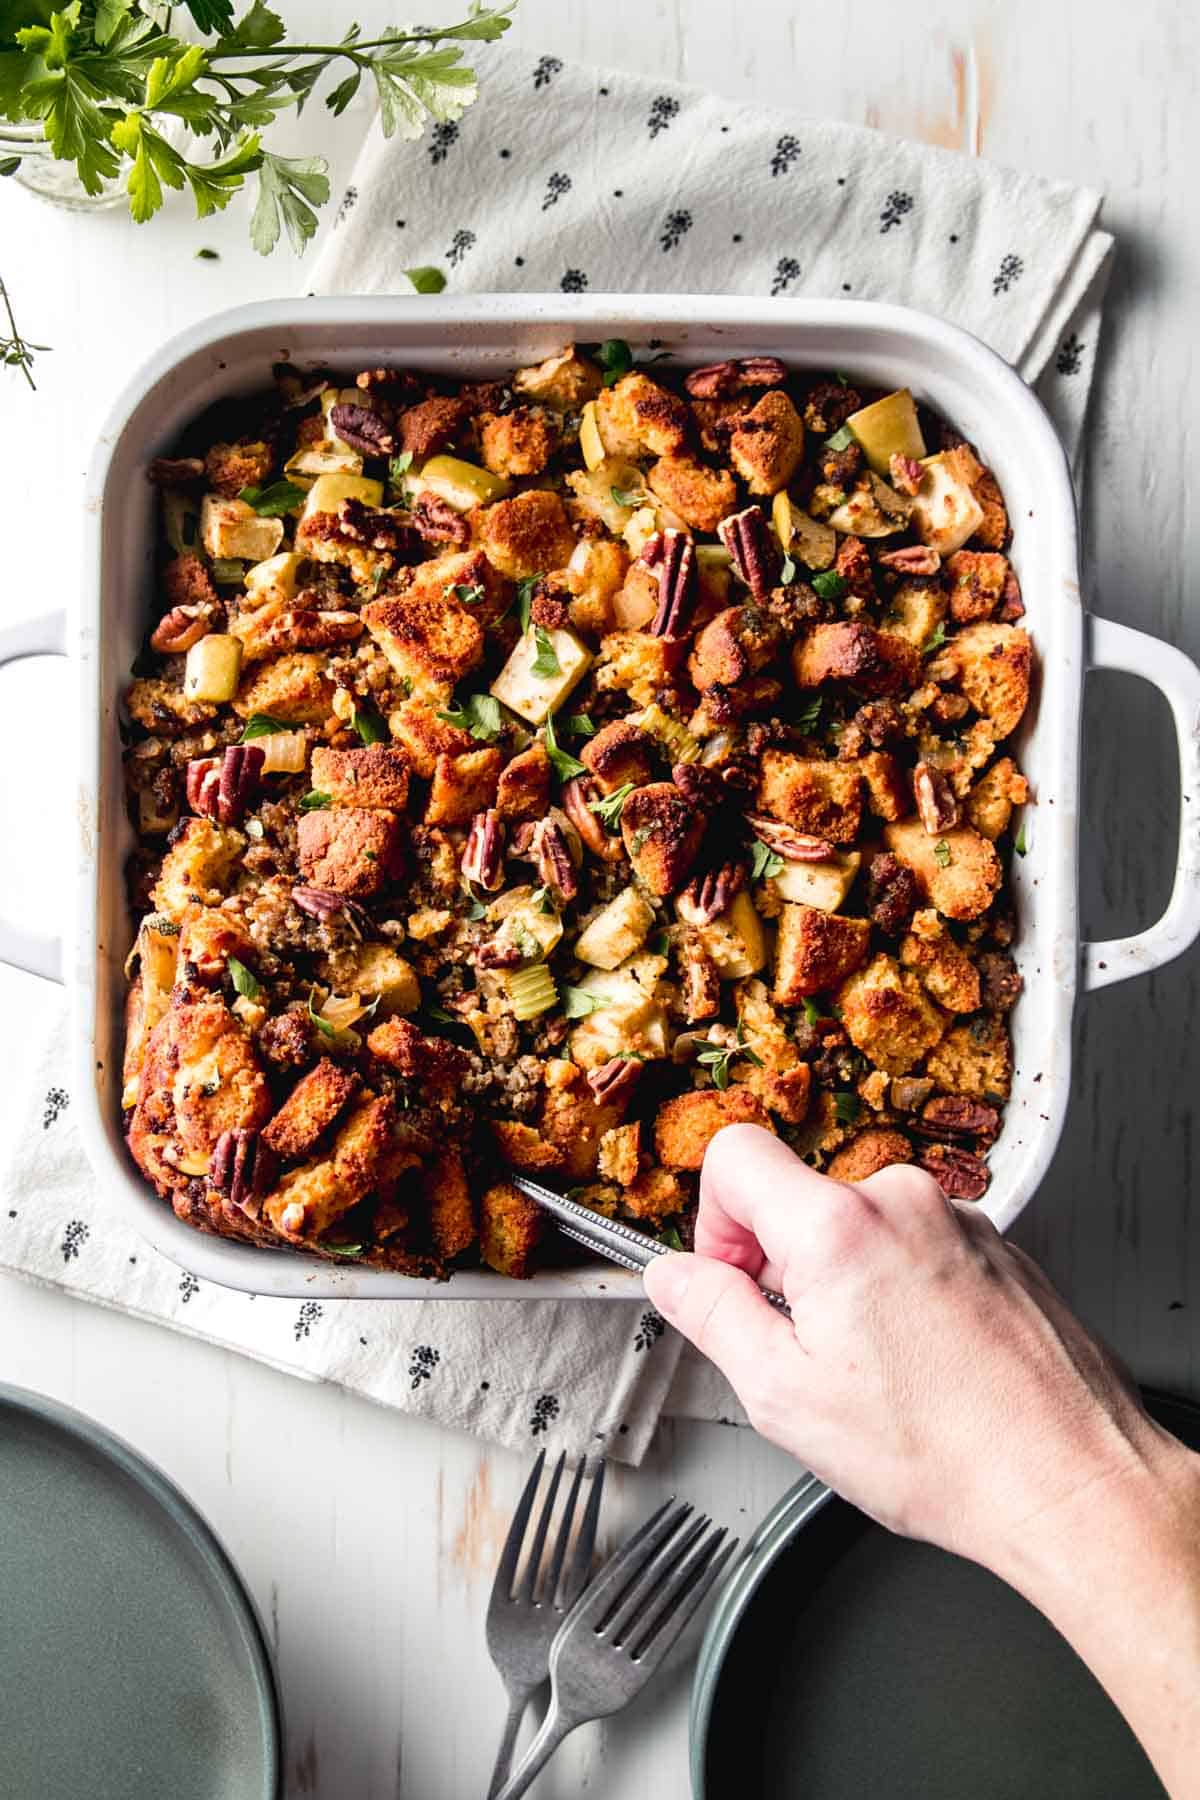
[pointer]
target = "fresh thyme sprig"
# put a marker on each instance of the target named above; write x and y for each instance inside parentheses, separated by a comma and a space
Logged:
(15, 351)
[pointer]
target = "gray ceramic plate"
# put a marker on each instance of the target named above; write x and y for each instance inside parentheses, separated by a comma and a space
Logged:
(132, 1666)
(866, 1665)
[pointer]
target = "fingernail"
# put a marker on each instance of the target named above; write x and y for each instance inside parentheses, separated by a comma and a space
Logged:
(667, 1280)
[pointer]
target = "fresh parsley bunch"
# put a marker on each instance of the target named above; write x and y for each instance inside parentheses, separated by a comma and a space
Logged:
(98, 78)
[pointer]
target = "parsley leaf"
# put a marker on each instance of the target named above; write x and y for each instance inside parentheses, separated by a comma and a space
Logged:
(828, 584)
(479, 714)
(841, 440)
(467, 594)
(243, 981)
(546, 661)
(812, 1011)
(1019, 843)
(322, 1025)
(615, 358)
(288, 189)
(846, 1107)
(262, 725)
(315, 801)
(787, 569)
(942, 854)
(808, 717)
(525, 599)
(660, 943)
(370, 727)
(609, 809)
(272, 502)
(566, 767)
(350, 1250)
(671, 1238)
(628, 496)
(398, 467)
(580, 725)
(935, 640)
(578, 1004)
(426, 280)
(765, 862)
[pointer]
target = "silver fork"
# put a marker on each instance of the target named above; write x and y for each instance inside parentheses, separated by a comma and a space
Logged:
(621, 1627)
(522, 1621)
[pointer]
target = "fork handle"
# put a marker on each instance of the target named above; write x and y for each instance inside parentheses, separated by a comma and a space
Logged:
(555, 1727)
(518, 1701)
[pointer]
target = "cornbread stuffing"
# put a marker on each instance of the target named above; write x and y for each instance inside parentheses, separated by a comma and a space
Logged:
(547, 773)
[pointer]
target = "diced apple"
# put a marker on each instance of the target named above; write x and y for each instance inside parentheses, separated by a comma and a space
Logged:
(590, 442)
(460, 484)
(617, 932)
(887, 428)
(327, 457)
(212, 668)
(820, 884)
(271, 582)
(734, 940)
(328, 491)
(945, 511)
(533, 696)
(873, 510)
(232, 529)
(628, 1020)
(813, 544)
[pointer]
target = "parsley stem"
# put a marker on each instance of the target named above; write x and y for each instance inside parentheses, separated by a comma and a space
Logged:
(14, 350)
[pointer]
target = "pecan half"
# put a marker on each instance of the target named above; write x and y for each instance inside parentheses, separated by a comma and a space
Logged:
(958, 1117)
(483, 854)
(242, 1168)
(613, 1083)
(577, 799)
(179, 629)
(911, 559)
(710, 895)
(326, 904)
(935, 800)
(175, 471)
(906, 473)
(363, 429)
(220, 787)
(715, 380)
(394, 386)
(960, 1175)
(699, 785)
(438, 523)
(754, 551)
(671, 553)
(554, 864)
(360, 524)
(793, 846)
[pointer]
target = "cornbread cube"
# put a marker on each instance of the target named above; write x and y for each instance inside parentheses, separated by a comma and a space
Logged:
(915, 611)
(888, 1016)
(435, 1063)
(429, 639)
(767, 443)
(687, 1125)
(974, 1060)
(637, 663)
(208, 937)
(523, 1147)
(200, 1077)
(520, 442)
(523, 790)
(566, 381)
(431, 425)
(376, 775)
(383, 972)
(959, 872)
(510, 1229)
(818, 798)
(231, 467)
(944, 967)
(993, 533)
(619, 1157)
(654, 1195)
(701, 496)
(350, 849)
(462, 786)
(620, 752)
(527, 535)
(424, 736)
(977, 579)
(198, 867)
(573, 1119)
(310, 1109)
(990, 802)
(869, 1152)
(296, 689)
(888, 793)
(163, 707)
(841, 651)
(308, 1200)
(451, 1209)
(605, 563)
(232, 528)
(738, 642)
(815, 951)
(993, 665)
(637, 415)
(268, 633)
(662, 834)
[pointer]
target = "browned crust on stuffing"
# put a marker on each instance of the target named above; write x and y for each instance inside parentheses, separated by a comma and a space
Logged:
(814, 951)
(310, 1109)
(523, 789)
(662, 834)
(888, 1016)
(349, 848)
(869, 1152)
(687, 1125)
(818, 798)
(431, 640)
(702, 496)
(510, 1230)
(527, 535)
(618, 753)
(462, 786)
(376, 775)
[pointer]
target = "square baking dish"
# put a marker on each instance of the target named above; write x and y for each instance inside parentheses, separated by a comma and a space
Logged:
(485, 335)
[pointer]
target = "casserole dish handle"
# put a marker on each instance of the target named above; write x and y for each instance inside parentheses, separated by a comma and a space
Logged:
(30, 950)
(1114, 646)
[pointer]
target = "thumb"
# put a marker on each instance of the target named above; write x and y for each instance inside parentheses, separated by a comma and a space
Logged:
(722, 1311)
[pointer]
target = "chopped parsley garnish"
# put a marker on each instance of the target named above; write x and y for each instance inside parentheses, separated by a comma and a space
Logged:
(566, 767)
(315, 801)
(764, 862)
(204, 254)
(579, 1004)
(398, 467)
(615, 358)
(812, 1011)
(546, 661)
(579, 725)
(323, 1025)
(243, 981)
(525, 599)
(427, 279)
(841, 440)
(272, 502)
(660, 943)
(440, 1015)
(941, 854)
(370, 727)
(468, 594)
(479, 714)
(828, 584)
(1019, 843)
(717, 1060)
(671, 1238)
(847, 1107)
(609, 809)
(262, 725)
(809, 715)
(935, 640)
(627, 496)
(640, 836)
(543, 900)
(348, 1250)
(787, 569)
(477, 910)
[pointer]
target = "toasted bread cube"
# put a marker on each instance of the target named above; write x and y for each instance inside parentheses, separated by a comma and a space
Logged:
(974, 1060)
(653, 1195)
(451, 1209)
(573, 1119)
(376, 775)
(383, 972)
(815, 951)
(565, 382)
(310, 1109)
(946, 970)
(533, 696)
(637, 663)
(620, 752)
(820, 884)
(520, 442)
(739, 642)
(595, 574)
(915, 611)
(959, 873)
(820, 799)
(350, 849)
(687, 1125)
(232, 529)
(510, 1229)
(994, 665)
(662, 834)
(430, 425)
(436, 1064)
(637, 415)
(616, 932)
(869, 1152)
(767, 443)
(841, 651)
(523, 790)
(198, 867)
(430, 640)
(888, 1016)
(309, 1199)
(232, 467)
(888, 793)
(209, 936)
(945, 511)
(424, 736)
(993, 533)
(978, 579)
(990, 802)
(527, 535)
(619, 1158)
(462, 786)
(699, 495)
(296, 689)
(524, 1148)
(268, 633)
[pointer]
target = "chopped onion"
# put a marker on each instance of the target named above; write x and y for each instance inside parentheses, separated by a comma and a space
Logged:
(284, 752)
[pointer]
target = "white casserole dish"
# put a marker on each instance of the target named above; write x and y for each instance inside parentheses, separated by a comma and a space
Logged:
(484, 335)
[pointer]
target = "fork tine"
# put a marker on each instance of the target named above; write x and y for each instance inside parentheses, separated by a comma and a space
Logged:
(510, 1556)
(651, 1579)
(529, 1585)
(621, 1570)
(681, 1596)
(563, 1536)
(580, 1566)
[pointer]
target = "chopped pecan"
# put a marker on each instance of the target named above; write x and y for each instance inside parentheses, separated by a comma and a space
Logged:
(702, 786)
(175, 471)
(960, 1175)
(179, 629)
(712, 894)
(715, 380)
(671, 553)
(521, 844)
(556, 868)
(577, 798)
(892, 894)
(1011, 604)
(911, 559)
(360, 524)
(935, 799)
(363, 429)
(483, 854)
(754, 551)
(1002, 981)
(243, 1169)
(613, 1083)
(906, 473)
(394, 386)
(761, 372)
(498, 955)
(326, 904)
(220, 787)
(958, 1117)
(438, 522)
(793, 846)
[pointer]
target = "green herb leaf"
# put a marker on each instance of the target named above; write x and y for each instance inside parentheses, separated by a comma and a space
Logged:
(565, 766)
(846, 1106)
(288, 189)
(315, 801)
(525, 599)
(942, 854)
(398, 467)
(243, 981)
(935, 640)
(479, 714)
(1019, 843)
(808, 716)
(347, 1250)
(609, 809)
(322, 1025)
(204, 254)
(671, 1238)
(227, 571)
(628, 496)
(440, 1015)
(370, 727)
(274, 501)
(787, 569)
(764, 862)
(578, 1004)
(580, 725)
(258, 29)
(546, 662)
(262, 725)
(841, 440)
(812, 1011)
(718, 1059)
(426, 280)
(467, 594)
(615, 359)
(477, 910)
(641, 836)
(659, 944)
(828, 584)
(544, 901)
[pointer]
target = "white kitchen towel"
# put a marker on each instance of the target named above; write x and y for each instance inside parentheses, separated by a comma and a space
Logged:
(577, 179)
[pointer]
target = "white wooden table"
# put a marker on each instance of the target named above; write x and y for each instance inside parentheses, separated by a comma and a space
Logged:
(369, 1541)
